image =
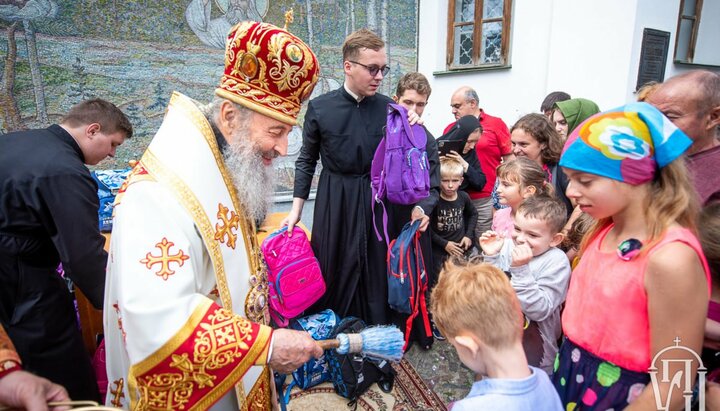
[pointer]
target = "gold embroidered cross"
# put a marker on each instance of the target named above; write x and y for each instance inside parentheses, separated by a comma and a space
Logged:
(165, 259)
(225, 335)
(118, 393)
(226, 225)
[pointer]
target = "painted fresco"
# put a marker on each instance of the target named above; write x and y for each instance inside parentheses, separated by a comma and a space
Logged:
(56, 53)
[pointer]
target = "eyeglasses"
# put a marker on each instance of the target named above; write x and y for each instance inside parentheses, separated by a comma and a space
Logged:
(373, 69)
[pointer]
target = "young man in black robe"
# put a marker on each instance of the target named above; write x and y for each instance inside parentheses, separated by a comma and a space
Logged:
(48, 215)
(412, 92)
(344, 127)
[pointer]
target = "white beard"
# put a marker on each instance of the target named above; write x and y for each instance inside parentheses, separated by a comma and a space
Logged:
(252, 179)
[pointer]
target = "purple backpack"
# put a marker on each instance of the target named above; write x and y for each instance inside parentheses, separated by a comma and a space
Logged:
(400, 168)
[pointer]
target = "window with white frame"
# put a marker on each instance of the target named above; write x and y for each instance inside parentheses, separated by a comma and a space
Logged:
(478, 33)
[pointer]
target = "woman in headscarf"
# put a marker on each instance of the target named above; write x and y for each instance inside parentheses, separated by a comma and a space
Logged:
(468, 130)
(569, 114)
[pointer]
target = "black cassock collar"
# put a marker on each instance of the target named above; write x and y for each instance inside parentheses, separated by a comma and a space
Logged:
(66, 138)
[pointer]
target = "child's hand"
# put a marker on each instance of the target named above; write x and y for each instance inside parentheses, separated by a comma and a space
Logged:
(491, 242)
(521, 255)
(466, 243)
(454, 249)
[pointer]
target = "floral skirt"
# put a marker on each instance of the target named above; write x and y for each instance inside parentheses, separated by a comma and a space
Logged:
(587, 382)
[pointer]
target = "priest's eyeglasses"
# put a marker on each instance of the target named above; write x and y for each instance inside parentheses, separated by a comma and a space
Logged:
(373, 69)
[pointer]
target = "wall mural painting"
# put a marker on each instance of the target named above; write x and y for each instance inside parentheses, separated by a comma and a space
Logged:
(56, 53)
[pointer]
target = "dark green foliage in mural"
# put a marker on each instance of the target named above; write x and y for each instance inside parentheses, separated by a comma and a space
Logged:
(134, 113)
(79, 90)
(160, 98)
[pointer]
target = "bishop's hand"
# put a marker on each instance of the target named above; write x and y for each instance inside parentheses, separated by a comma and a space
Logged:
(291, 349)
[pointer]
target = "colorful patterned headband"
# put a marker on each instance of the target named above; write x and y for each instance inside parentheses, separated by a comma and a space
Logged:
(627, 144)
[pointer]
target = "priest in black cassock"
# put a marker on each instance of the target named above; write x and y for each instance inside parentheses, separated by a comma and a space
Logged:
(48, 215)
(344, 128)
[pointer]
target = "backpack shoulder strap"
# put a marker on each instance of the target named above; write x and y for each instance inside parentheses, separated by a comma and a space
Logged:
(377, 185)
(414, 132)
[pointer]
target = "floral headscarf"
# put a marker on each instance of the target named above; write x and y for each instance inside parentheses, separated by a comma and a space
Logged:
(628, 144)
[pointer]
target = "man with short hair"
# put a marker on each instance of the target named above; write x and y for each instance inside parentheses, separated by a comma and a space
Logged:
(48, 216)
(343, 128)
(493, 147)
(692, 102)
(412, 92)
(186, 308)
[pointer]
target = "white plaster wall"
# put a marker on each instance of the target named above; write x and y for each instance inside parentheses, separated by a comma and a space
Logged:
(588, 48)
(592, 48)
(663, 15)
(659, 17)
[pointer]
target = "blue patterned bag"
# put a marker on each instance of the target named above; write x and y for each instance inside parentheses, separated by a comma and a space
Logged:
(109, 182)
(320, 327)
(316, 371)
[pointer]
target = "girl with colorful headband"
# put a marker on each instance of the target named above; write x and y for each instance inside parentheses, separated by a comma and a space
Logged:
(642, 283)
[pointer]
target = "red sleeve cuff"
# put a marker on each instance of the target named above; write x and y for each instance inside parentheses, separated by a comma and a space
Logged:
(9, 366)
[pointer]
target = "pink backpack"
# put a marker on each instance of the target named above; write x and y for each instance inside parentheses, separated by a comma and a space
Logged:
(294, 277)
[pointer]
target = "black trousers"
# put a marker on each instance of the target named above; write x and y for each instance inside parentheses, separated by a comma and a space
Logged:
(38, 313)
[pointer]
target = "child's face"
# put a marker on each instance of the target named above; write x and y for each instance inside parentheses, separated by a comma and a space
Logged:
(600, 197)
(449, 184)
(510, 193)
(535, 233)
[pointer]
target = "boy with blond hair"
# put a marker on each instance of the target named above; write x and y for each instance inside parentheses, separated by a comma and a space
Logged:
(452, 223)
(454, 219)
(475, 307)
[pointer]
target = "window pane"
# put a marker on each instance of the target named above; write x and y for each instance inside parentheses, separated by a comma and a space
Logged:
(689, 8)
(463, 45)
(683, 41)
(464, 10)
(492, 9)
(491, 43)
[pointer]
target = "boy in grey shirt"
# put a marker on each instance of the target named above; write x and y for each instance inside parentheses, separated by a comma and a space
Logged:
(539, 271)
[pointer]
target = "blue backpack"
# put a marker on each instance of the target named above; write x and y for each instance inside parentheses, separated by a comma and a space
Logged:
(400, 169)
(320, 326)
(407, 277)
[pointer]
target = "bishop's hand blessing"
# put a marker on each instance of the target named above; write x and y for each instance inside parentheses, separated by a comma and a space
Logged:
(291, 349)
